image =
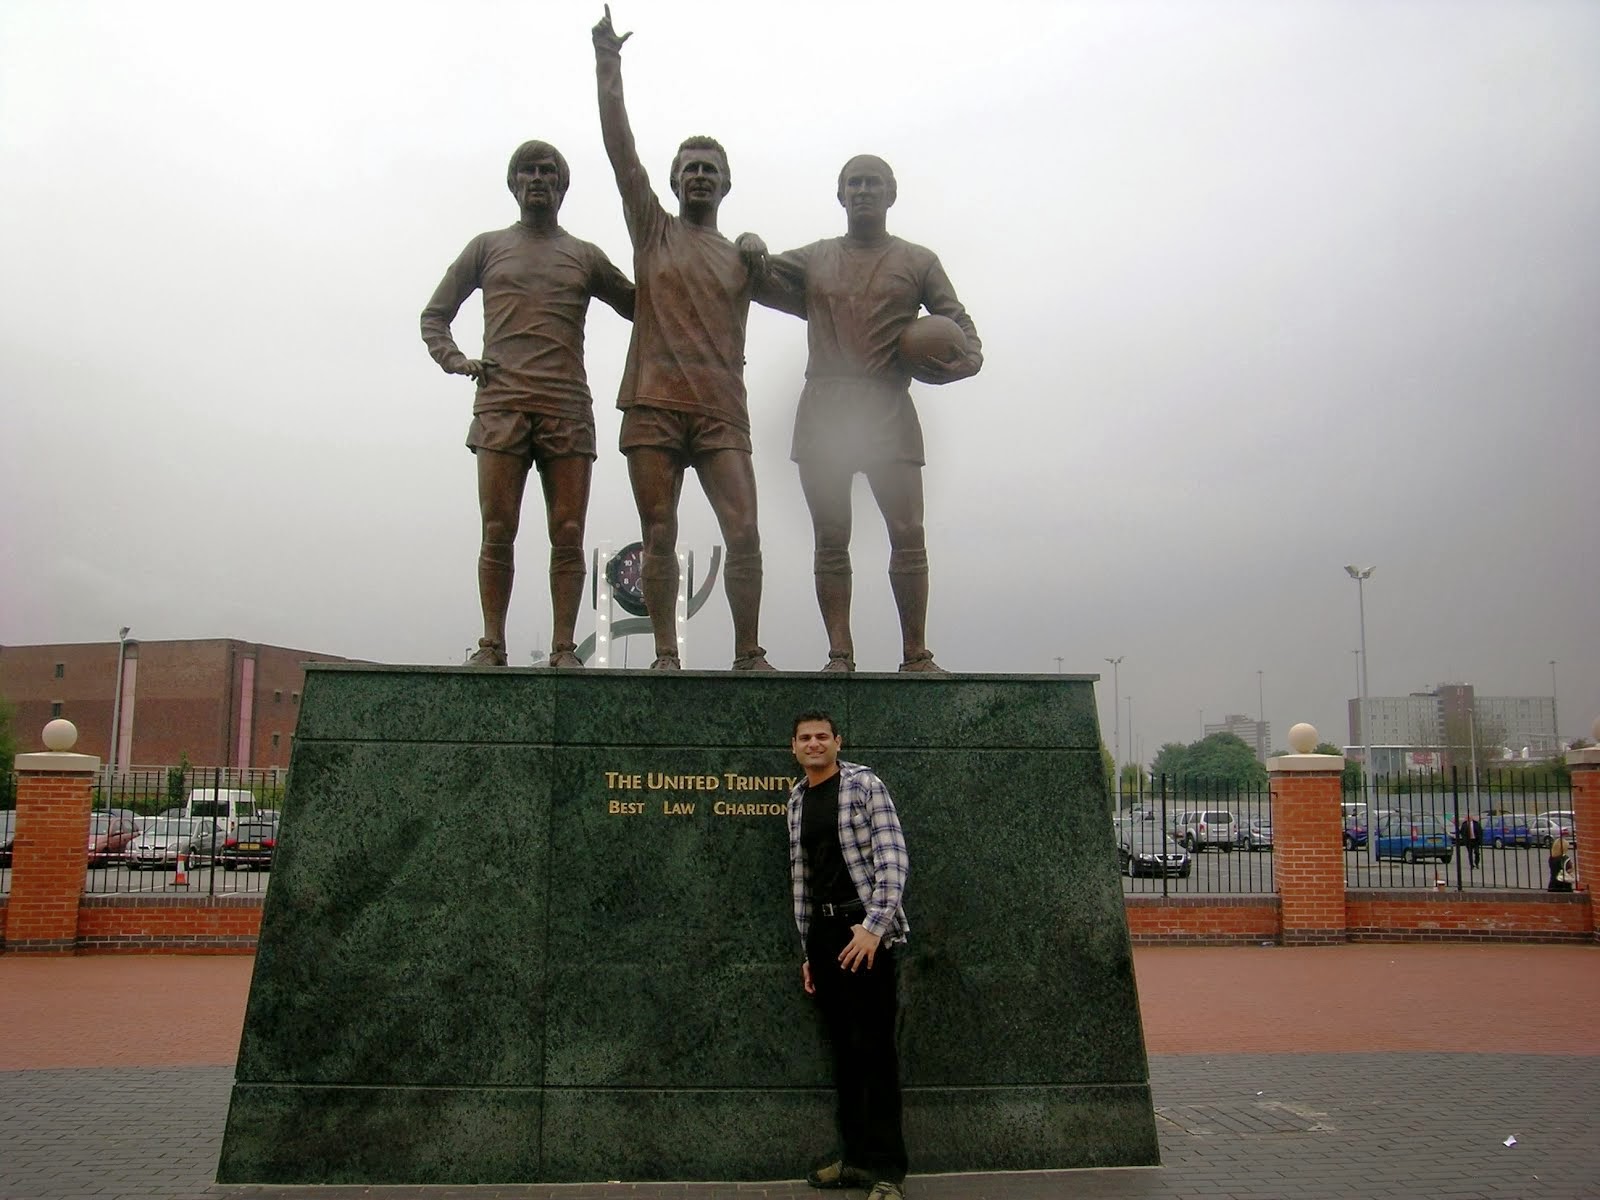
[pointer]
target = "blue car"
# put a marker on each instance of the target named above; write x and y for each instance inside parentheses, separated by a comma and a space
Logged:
(1414, 837)
(1507, 830)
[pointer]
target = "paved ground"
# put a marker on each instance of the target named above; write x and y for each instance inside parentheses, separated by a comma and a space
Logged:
(1335, 1073)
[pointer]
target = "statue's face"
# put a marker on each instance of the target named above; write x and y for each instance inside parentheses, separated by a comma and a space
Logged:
(866, 188)
(701, 178)
(538, 183)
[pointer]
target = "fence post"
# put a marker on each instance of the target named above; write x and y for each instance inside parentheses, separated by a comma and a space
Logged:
(1307, 832)
(1585, 767)
(49, 856)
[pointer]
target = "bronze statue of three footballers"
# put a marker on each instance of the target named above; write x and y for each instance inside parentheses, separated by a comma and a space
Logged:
(683, 396)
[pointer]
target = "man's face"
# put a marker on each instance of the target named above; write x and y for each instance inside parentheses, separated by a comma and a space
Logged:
(538, 183)
(702, 177)
(815, 745)
(865, 189)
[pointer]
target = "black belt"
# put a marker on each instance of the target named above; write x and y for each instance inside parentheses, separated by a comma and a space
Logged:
(840, 910)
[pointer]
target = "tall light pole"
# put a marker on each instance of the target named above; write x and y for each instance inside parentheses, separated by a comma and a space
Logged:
(1131, 753)
(1361, 575)
(116, 712)
(1059, 661)
(1116, 713)
(1555, 723)
(1261, 719)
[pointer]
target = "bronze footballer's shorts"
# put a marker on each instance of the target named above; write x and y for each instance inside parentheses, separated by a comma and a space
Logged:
(531, 436)
(685, 434)
(856, 423)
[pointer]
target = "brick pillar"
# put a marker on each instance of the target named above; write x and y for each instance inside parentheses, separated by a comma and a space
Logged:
(1585, 765)
(49, 859)
(1308, 858)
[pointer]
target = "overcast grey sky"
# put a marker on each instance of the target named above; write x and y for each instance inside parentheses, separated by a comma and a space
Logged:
(1264, 289)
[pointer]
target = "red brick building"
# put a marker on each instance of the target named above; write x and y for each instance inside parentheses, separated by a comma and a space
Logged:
(224, 702)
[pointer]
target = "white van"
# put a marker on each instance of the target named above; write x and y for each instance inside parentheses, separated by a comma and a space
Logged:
(224, 807)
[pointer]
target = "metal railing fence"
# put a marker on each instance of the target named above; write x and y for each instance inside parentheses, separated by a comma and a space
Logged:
(1223, 831)
(1416, 841)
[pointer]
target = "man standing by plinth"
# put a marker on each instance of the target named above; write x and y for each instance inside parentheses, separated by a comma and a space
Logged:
(858, 293)
(533, 406)
(848, 867)
(683, 397)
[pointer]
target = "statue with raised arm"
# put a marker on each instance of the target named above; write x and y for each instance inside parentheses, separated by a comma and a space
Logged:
(683, 397)
(532, 407)
(858, 294)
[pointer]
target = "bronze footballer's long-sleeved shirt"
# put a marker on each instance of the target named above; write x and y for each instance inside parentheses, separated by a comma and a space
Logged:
(536, 289)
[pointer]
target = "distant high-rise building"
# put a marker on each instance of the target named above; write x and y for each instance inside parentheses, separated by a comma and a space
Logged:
(1447, 721)
(1253, 733)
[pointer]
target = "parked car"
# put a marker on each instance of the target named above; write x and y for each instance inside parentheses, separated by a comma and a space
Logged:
(8, 834)
(1142, 849)
(226, 806)
(250, 845)
(1564, 820)
(1412, 837)
(1255, 833)
(109, 835)
(1199, 829)
(161, 841)
(1545, 829)
(1506, 829)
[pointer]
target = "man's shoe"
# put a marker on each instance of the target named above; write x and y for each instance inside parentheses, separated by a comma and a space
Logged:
(666, 662)
(837, 1175)
(922, 664)
(884, 1190)
(838, 660)
(490, 654)
(756, 661)
(563, 656)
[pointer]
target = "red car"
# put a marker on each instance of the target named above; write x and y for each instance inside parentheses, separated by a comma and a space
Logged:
(109, 836)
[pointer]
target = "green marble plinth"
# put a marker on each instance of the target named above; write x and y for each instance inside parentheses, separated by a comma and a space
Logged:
(534, 926)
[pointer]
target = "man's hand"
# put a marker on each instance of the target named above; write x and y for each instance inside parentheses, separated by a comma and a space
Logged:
(962, 366)
(863, 945)
(805, 978)
(605, 37)
(753, 253)
(477, 368)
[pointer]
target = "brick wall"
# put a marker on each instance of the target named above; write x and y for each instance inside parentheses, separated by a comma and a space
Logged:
(1203, 920)
(49, 860)
(165, 924)
(1308, 856)
(1412, 915)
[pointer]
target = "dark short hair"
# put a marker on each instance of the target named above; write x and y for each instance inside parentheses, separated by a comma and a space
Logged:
(814, 714)
(888, 171)
(538, 150)
(700, 142)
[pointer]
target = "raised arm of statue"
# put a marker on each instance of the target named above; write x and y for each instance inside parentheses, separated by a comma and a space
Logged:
(614, 128)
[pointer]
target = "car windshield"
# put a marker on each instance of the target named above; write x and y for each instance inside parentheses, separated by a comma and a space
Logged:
(170, 827)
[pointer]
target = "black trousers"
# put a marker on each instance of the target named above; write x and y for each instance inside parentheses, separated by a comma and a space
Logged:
(858, 1013)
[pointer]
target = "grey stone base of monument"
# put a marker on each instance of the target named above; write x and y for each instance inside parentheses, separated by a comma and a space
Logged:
(535, 926)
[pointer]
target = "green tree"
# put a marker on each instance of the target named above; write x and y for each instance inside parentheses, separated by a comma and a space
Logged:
(1225, 760)
(1134, 780)
(1172, 760)
(175, 778)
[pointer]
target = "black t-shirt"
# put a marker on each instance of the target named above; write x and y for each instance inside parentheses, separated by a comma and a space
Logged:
(819, 839)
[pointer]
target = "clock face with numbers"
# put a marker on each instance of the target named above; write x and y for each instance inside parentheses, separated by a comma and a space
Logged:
(624, 574)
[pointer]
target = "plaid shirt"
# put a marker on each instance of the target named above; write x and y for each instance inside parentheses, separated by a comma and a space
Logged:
(874, 852)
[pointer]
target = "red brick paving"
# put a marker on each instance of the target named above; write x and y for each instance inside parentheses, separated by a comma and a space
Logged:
(114, 1011)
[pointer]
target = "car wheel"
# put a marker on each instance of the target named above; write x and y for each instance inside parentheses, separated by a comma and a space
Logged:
(1349, 842)
(1183, 872)
(1499, 843)
(1129, 868)
(1189, 844)
(1446, 858)
(1408, 855)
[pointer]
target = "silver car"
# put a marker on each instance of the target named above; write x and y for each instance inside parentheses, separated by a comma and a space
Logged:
(161, 841)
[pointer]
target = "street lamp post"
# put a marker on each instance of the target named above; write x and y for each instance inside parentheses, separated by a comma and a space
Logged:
(1555, 723)
(1261, 718)
(1361, 575)
(116, 713)
(1116, 725)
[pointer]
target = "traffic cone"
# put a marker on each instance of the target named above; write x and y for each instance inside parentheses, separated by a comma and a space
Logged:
(181, 879)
